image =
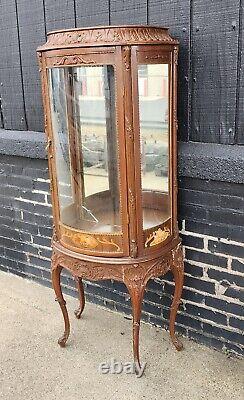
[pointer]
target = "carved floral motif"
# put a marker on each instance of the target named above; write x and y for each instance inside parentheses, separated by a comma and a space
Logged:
(73, 60)
(176, 55)
(126, 57)
(132, 199)
(131, 274)
(128, 127)
(161, 57)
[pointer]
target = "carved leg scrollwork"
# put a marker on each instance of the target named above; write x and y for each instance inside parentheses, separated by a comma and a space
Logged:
(136, 291)
(80, 288)
(56, 271)
(177, 268)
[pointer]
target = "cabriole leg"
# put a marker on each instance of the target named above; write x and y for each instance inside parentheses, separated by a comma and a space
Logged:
(136, 293)
(80, 288)
(177, 268)
(56, 271)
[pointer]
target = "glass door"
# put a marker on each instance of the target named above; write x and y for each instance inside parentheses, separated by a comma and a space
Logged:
(84, 124)
(153, 117)
(154, 141)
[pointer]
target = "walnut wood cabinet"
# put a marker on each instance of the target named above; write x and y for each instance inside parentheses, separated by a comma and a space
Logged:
(109, 98)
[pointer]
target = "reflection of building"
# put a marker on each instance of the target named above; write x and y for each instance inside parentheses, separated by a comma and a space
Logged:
(153, 91)
(91, 96)
(153, 98)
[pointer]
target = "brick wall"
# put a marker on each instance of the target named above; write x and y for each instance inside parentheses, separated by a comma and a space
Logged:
(211, 220)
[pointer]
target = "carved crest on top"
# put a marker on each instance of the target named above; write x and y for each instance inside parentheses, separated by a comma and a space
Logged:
(108, 35)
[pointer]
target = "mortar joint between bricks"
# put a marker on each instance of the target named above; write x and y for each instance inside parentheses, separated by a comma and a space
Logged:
(206, 267)
(40, 191)
(46, 200)
(208, 237)
(23, 200)
(193, 234)
(205, 271)
(228, 241)
(42, 180)
(184, 252)
(225, 256)
(213, 296)
(229, 262)
(205, 244)
(228, 299)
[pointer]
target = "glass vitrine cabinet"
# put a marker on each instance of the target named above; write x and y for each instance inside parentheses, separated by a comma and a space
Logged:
(109, 98)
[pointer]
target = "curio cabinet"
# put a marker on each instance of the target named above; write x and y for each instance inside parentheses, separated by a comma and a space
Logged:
(109, 98)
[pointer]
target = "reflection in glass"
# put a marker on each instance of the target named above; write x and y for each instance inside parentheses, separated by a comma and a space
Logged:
(85, 137)
(154, 136)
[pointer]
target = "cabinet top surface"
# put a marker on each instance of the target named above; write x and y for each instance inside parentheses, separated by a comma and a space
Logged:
(107, 36)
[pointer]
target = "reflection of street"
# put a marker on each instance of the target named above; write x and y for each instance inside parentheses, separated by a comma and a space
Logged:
(154, 157)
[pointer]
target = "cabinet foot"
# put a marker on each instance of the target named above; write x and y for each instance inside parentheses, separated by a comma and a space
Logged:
(56, 271)
(136, 294)
(62, 340)
(177, 268)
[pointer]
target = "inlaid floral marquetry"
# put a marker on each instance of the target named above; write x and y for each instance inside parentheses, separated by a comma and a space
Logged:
(157, 237)
(90, 242)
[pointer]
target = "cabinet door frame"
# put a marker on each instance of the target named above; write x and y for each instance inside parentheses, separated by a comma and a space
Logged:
(155, 54)
(95, 56)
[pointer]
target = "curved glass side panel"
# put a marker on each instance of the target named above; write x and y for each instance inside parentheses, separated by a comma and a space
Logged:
(154, 135)
(86, 149)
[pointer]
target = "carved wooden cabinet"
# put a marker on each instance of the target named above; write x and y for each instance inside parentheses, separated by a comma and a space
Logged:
(109, 97)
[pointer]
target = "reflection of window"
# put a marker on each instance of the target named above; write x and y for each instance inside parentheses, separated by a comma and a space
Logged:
(91, 82)
(153, 80)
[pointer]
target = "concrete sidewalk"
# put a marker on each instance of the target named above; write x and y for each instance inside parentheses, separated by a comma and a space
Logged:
(33, 366)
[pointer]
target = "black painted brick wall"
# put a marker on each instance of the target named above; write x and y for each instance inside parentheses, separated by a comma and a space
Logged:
(211, 220)
(210, 59)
